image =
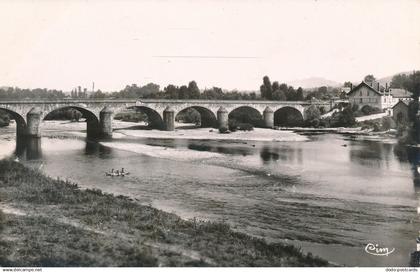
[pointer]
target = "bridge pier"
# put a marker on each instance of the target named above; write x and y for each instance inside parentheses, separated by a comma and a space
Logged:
(268, 117)
(169, 119)
(33, 120)
(20, 129)
(222, 118)
(105, 123)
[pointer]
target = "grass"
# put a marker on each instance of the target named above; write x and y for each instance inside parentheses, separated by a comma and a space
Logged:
(62, 225)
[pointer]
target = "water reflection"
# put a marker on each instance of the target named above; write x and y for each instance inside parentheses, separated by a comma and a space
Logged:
(285, 153)
(410, 154)
(28, 148)
(97, 150)
(376, 154)
(231, 150)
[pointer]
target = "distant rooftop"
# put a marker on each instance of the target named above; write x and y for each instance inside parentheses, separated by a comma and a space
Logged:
(382, 90)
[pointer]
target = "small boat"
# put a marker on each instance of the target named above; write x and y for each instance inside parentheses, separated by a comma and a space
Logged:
(117, 173)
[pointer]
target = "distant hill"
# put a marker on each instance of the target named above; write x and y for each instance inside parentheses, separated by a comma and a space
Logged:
(313, 82)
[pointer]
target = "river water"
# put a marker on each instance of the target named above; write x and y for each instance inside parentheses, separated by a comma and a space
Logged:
(331, 194)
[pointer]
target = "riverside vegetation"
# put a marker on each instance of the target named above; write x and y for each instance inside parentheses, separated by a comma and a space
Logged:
(51, 222)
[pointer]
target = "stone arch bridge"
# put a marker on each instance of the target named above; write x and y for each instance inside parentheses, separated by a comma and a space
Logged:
(161, 113)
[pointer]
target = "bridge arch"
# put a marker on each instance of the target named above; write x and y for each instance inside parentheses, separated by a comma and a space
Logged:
(92, 120)
(288, 116)
(247, 114)
(207, 117)
(154, 118)
(19, 119)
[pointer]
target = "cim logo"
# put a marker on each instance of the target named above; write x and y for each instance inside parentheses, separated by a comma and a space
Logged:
(374, 249)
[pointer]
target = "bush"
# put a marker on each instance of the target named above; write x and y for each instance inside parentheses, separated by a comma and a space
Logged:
(313, 123)
(387, 123)
(4, 119)
(223, 130)
(189, 116)
(245, 127)
(344, 118)
(367, 110)
(233, 125)
(131, 117)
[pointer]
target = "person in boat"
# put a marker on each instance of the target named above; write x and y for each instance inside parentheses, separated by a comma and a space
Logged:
(122, 171)
(118, 172)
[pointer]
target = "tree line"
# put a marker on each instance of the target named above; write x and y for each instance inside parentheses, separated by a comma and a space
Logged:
(268, 91)
(30, 94)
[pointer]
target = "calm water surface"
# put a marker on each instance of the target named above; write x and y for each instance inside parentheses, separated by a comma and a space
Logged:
(331, 195)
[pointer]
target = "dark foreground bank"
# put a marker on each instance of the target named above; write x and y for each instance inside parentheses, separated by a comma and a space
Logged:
(47, 222)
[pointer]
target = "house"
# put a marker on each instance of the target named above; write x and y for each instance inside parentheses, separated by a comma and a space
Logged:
(400, 112)
(401, 94)
(377, 96)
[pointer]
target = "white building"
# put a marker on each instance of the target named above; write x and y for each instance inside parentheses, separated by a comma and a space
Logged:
(377, 96)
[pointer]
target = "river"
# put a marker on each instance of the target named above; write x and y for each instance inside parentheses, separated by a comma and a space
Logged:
(329, 194)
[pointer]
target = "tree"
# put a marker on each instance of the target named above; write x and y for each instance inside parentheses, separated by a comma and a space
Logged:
(98, 94)
(171, 92)
(193, 90)
(345, 118)
(299, 94)
(369, 78)
(266, 89)
(313, 114)
(398, 81)
(347, 84)
(213, 93)
(183, 92)
(291, 94)
(279, 95)
(413, 85)
(276, 86)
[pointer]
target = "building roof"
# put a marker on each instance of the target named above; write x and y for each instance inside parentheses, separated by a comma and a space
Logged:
(374, 87)
(405, 102)
(381, 90)
(399, 93)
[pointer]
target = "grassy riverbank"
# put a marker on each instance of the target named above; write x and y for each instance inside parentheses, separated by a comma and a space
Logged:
(48, 222)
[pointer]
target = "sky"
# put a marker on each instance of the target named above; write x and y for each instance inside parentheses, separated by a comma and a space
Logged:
(229, 44)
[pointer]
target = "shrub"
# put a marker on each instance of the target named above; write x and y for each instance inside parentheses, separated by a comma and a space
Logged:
(245, 127)
(387, 123)
(313, 123)
(189, 115)
(344, 118)
(233, 125)
(223, 130)
(4, 119)
(367, 110)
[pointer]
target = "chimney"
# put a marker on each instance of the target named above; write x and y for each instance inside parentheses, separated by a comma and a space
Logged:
(379, 89)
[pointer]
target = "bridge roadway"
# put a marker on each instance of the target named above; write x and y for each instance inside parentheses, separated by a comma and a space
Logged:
(161, 113)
